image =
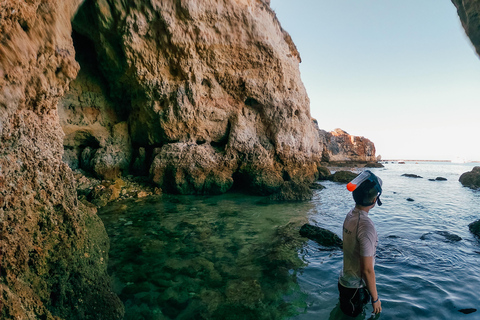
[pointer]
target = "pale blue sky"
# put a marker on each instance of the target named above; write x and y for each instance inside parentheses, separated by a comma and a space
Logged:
(401, 73)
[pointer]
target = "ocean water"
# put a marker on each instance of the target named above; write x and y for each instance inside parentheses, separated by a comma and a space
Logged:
(240, 257)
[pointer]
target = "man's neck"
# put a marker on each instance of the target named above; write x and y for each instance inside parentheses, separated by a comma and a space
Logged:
(366, 209)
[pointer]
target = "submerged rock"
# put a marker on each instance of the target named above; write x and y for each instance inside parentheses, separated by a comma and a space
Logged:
(467, 310)
(471, 179)
(411, 175)
(320, 235)
(447, 236)
(343, 176)
(410, 199)
(474, 228)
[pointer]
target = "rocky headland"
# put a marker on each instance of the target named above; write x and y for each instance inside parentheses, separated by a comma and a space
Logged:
(342, 149)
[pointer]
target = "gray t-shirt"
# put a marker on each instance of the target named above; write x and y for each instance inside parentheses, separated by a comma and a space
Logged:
(359, 240)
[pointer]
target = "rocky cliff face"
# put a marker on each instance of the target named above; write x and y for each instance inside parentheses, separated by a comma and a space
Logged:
(52, 249)
(199, 94)
(469, 11)
(339, 146)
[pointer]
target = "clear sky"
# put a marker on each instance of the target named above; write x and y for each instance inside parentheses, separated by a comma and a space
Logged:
(400, 73)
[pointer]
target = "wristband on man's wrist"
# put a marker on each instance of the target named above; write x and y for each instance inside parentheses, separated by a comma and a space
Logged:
(378, 298)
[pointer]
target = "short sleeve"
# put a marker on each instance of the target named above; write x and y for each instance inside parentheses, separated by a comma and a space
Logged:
(367, 239)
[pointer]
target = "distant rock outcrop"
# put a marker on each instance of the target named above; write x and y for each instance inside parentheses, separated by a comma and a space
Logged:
(339, 146)
(411, 175)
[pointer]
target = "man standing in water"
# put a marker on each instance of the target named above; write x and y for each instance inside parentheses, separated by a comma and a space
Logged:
(357, 281)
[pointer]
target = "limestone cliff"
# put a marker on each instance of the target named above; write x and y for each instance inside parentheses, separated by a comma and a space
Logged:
(469, 11)
(53, 251)
(204, 94)
(339, 146)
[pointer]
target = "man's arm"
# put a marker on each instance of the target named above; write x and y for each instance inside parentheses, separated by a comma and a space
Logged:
(368, 274)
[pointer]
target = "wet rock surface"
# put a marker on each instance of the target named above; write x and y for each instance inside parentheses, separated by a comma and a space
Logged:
(447, 236)
(291, 191)
(320, 235)
(374, 165)
(323, 173)
(468, 310)
(471, 179)
(343, 176)
(411, 175)
(474, 228)
(101, 192)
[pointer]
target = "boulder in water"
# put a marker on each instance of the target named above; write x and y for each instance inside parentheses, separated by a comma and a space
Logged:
(320, 235)
(292, 191)
(471, 179)
(323, 173)
(343, 176)
(474, 228)
(374, 165)
(410, 199)
(447, 236)
(440, 179)
(316, 186)
(411, 175)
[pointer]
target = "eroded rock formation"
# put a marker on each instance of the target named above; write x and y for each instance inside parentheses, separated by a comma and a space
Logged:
(339, 146)
(53, 251)
(210, 92)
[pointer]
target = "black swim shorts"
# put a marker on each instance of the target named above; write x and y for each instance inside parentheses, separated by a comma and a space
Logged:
(352, 300)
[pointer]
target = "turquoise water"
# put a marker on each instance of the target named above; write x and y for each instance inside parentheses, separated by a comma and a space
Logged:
(240, 257)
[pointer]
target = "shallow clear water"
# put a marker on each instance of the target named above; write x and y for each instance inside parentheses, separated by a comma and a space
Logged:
(221, 257)
(239, 257)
